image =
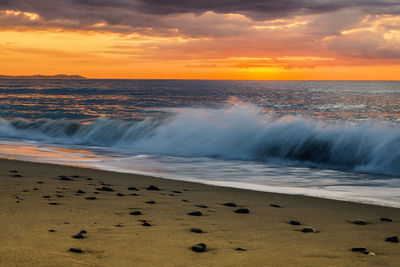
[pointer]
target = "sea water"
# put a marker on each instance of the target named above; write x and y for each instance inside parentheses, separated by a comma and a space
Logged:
(331, 139)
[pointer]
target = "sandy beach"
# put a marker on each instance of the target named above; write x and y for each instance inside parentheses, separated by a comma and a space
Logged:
(48, 209)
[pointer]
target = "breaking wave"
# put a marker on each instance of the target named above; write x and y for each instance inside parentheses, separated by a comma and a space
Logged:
(236, 131)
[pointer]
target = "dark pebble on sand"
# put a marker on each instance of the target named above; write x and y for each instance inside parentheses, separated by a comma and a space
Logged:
(359, 222)
(201, 247)
(386, 219)
(105, 188)
(136, 212)
(80, 191)
(120, 195)
(240, 249)
(65, 178)
(59, 196)
(153, 188)
(176, 192)
(25, 190)
(35, 189)
(76, 250)
(146, 224)
(308, 230)
(52, 230)
(202, 206)
(184, 200)
(13, 171)
(292, 222)
(96, 192)
(196, 230)
(133, 188)
(358, 249)
(40, 182)
(275, 205)
(46, 196)
(91, 198)
(229, 204)
(83, 232)
(17, 175)
(195, 213)
(242, 210)
(79, 236)
(393, 239)
(133, 194)
(150, 202)
(53, 203)
(75, 176)
(89, 179)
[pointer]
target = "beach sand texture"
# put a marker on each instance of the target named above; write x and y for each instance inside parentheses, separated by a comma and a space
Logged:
(41, 211)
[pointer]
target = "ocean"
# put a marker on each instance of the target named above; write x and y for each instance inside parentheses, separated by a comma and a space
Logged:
(329, 139)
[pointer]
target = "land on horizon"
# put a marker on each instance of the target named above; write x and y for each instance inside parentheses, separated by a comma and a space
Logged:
(45, 77)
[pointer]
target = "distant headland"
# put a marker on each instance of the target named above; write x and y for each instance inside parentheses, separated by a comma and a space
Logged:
(46, 77)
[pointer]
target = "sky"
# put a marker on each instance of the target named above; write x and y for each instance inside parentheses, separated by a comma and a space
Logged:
(202, 39)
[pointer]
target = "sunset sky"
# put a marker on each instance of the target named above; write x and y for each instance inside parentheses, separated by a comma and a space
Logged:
(219, 39)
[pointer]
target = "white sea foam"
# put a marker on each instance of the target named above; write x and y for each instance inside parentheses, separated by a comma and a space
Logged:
(236, 131)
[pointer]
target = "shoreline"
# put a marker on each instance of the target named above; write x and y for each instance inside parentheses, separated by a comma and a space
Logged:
(114, 237)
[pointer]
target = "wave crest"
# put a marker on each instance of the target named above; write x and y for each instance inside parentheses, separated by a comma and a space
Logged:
(236, 131)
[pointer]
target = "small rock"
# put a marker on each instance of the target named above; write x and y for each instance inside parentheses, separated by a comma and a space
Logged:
(229, 204)
(80, 191)
(153, 188)
(53, 203)
(133, 188)
(133, 194)
(89, 179)
(105, 188)
(358, 249)
(242, 210)
(59, 196)
(308, 230)
(91, 198)
(240, 249)
(195, 213)
(275, 205)
(196, 230)
(201, 247)
(292, 222)
(76, 250)
(386, 219)
(35, 189)
(25, 190)
(78, 236)
(136, 212)
(16, 175)
(46, 197)
(83, 232)
(119, 225)
(52, 230)
(40, 182)
(75, 176)
(202, 206)
(146, 224)
(13, 171)
(176, 192)
(120, 195)
(393, 239)
(65, 178)
(359, 222)
(150, 202)
(184, 200)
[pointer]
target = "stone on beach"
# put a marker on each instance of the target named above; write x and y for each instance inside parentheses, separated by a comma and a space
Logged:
(195, 213)
(91, 198)
(80, 191)
(383, 219)
(132, 188)
(136, 212)
(229, 204)
(201, 247)
(275, 205)
(242, 210)
(153, 188)
(392, 239)
(105, 188)
(293, 222)
(308, 230)
(75, 250)
(196, 230)
(150, 202)
(359, 222)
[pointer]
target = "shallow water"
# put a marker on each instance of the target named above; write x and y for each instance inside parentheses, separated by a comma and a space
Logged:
(328, 139)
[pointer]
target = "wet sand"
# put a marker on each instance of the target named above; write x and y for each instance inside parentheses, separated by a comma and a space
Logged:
(41, 211)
